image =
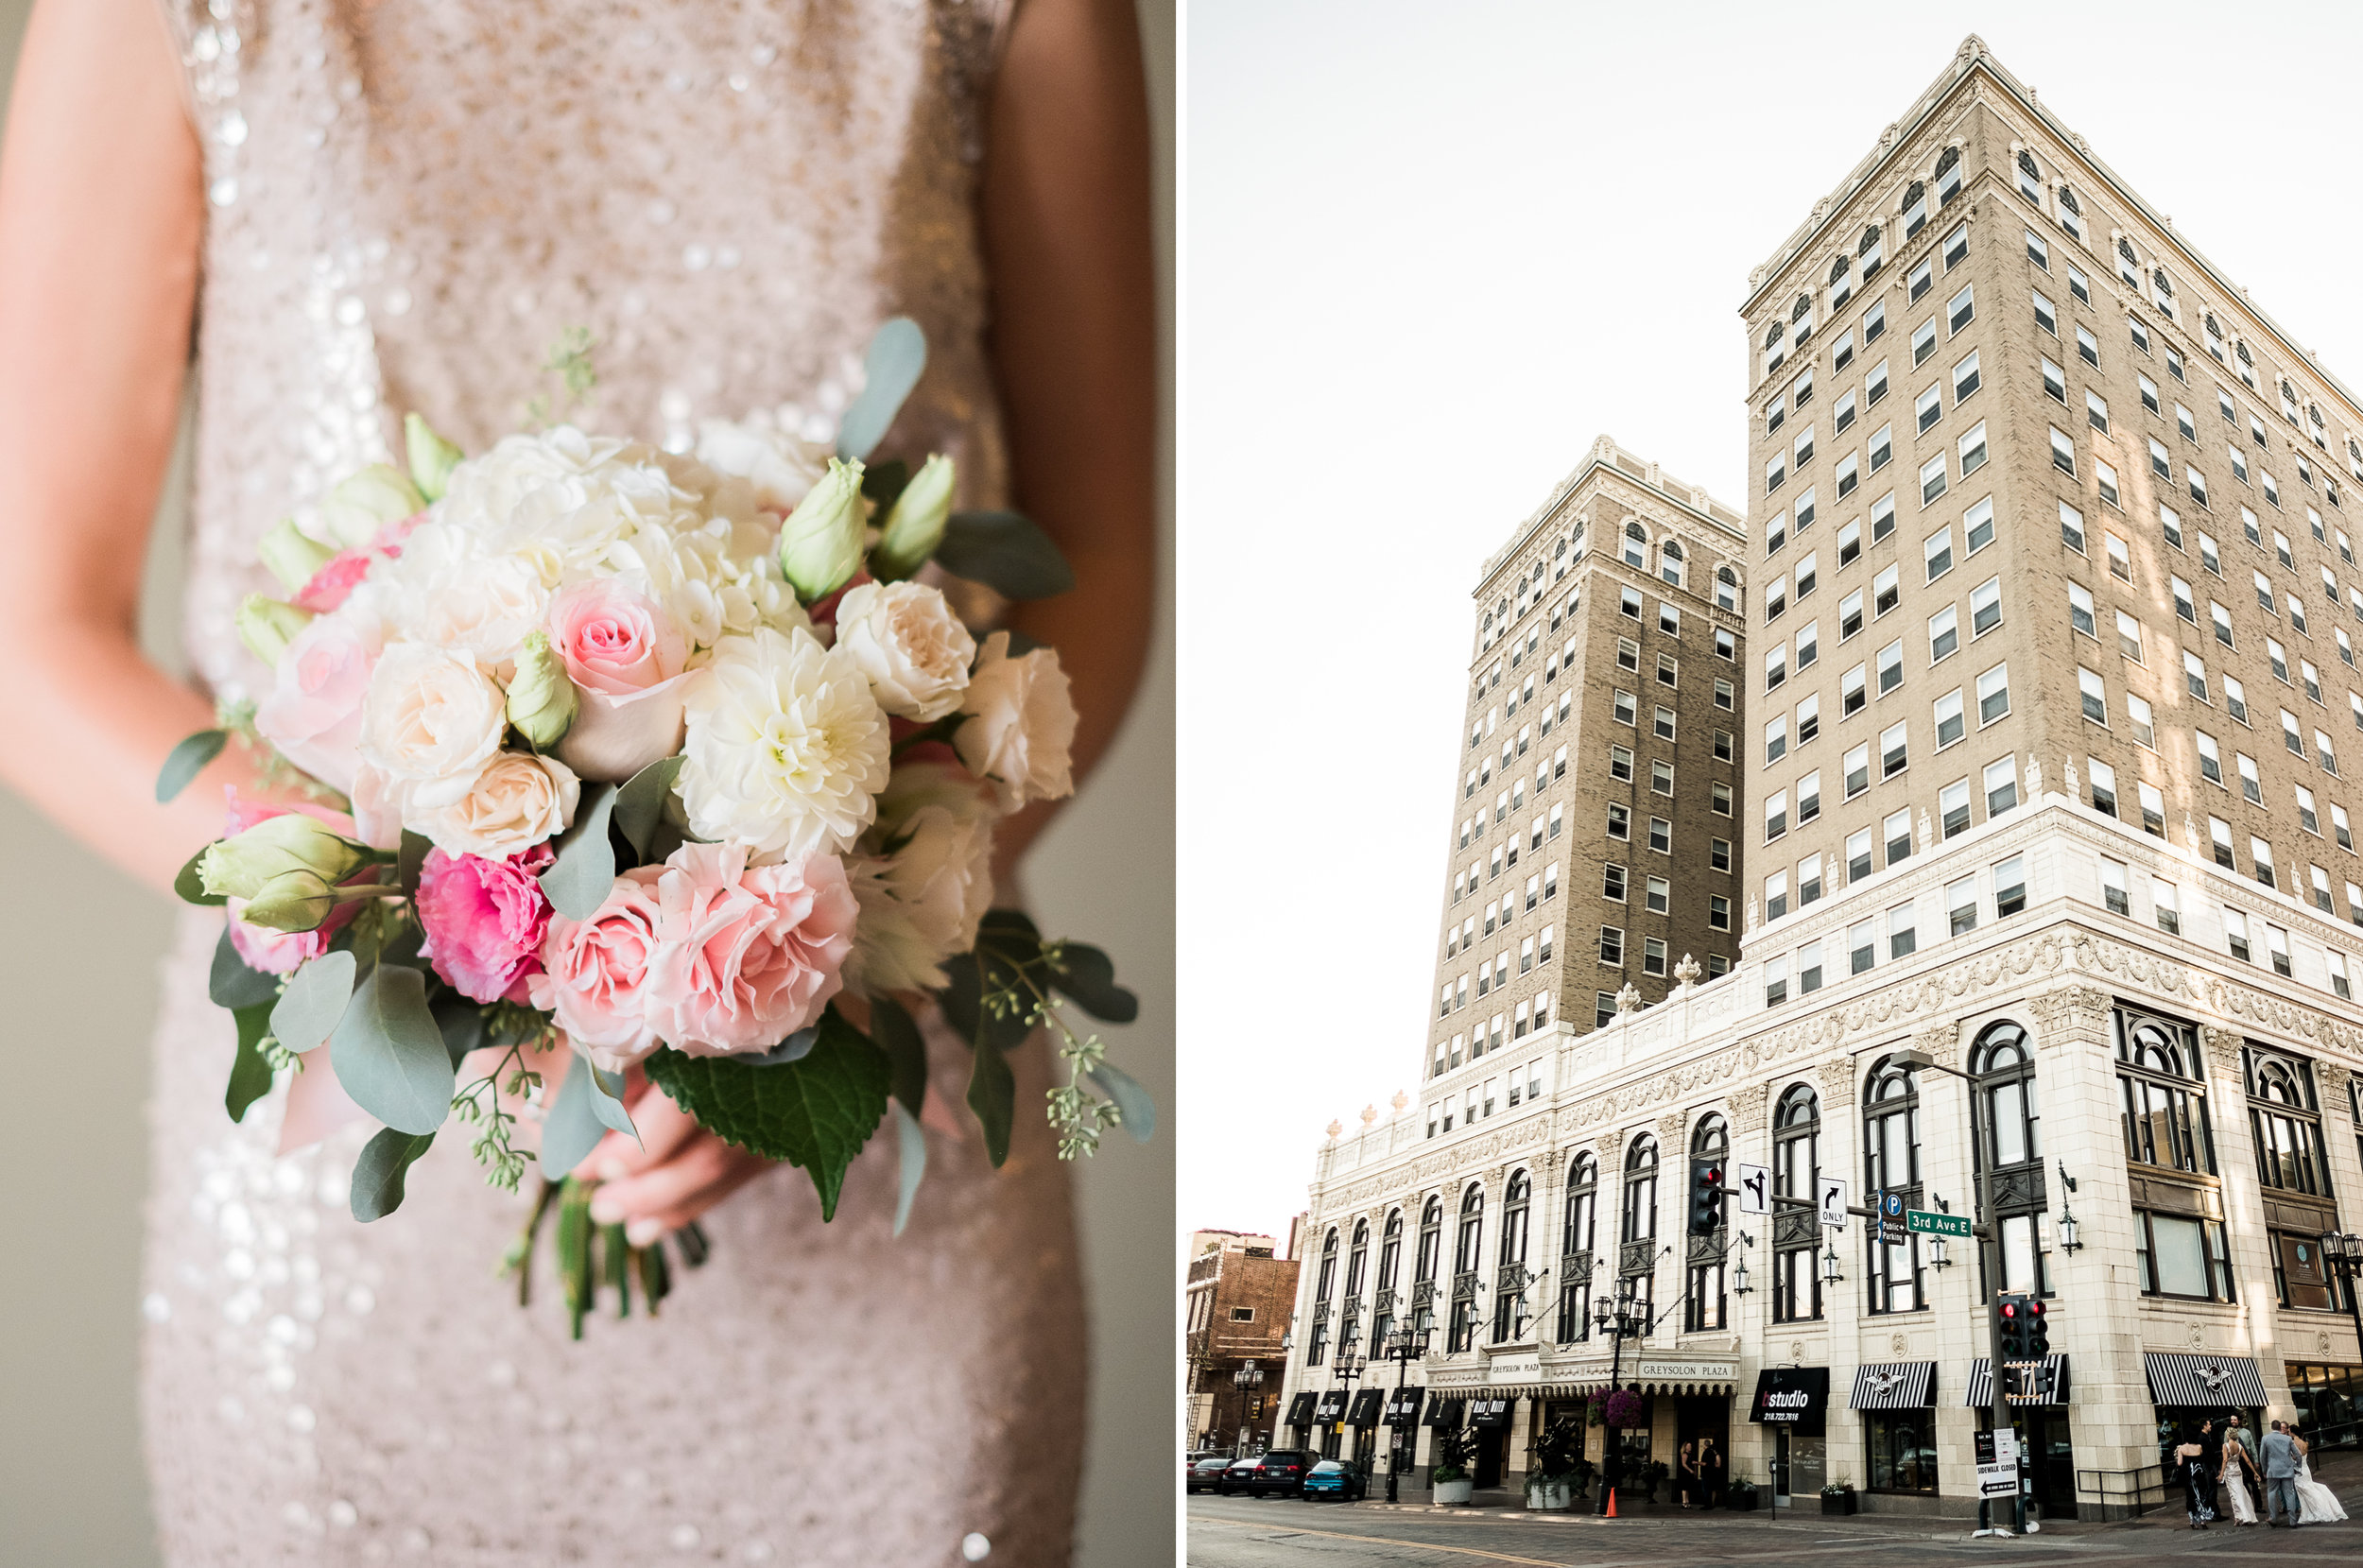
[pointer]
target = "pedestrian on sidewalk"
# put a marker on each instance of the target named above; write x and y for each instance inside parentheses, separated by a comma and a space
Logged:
(2236, 1464)
(2253, 1474)
(1711, 1471)
(1687, 1483)
(2281, 1476)
(2199, 1482)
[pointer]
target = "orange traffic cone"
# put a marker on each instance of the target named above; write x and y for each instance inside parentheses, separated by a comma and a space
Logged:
(1612, 1502)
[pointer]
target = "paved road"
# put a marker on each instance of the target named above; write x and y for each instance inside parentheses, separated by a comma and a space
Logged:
(1238, 1532)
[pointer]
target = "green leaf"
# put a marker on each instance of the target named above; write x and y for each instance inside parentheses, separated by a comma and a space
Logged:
(411, 859)
(1014, 928)
(606, 1102)
(463, 1024)
(389, 1054)
(881, 483)
(1006, 553)
(912, 1150)
(314, 1001)
(249, 1074)
(816, 1112)
(378, 1175)
(571, 1128)
(900, 1038)
(190, 888)
(186, 761)
(1007, 942)
(639, 809)
(1088, 979)
(233, 984)
(1138, 1110)
(584, 872)
(898, 352)
(794, 1048)
(992, 1095)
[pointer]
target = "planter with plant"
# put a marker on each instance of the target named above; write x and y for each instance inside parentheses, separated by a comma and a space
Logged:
(1551, 1485)
(1741, 1496)
(1454, 1449)
(1653, 1475)
(1838, 1497)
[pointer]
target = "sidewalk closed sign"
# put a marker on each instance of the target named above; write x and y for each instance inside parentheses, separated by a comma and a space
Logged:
(1997, 1465)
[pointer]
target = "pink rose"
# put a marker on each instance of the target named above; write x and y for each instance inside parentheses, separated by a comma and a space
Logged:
(614, 641)
(263, 947)
(313, 714)
(747, 954)
(341, 572)
(595, 971)
(485, 920)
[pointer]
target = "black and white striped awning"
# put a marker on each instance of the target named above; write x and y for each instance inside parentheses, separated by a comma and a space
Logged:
(1332, 1407)
(1894, 1385)
(1300, 1409)
(2213, 1381)
(1980, 1396)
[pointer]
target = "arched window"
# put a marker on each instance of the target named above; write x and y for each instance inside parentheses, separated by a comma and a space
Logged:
(2071, 214)
(1349, 1336)
(1773, 334)
(1431, 1243)
(2026, 163)
(1390, 1261)
(2125, 248)
(1703, 1303)
(1796, 1173)
(1891, 1164)
(1318, 1352)
(1948, 176)
(1669, 562)
(1915, 208)
(1576, 1249)
(2003, 1062)
(1869, 243)
(1838, 266)
(1636, 546)
(2067, 199)
(1726, 589)
(1510, 1312)
(1802, 308)
(2165, 1112)
(1467, 1258)
(1637, 1223)
(1328, 1277)
(2285, 1120)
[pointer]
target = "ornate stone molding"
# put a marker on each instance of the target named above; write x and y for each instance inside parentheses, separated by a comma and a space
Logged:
(1669, 1133)
(1837, 1085)
(1943, 1045)
(1747, 1107)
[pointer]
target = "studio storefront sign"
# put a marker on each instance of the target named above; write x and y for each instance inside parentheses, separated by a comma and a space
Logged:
(1795, 1397)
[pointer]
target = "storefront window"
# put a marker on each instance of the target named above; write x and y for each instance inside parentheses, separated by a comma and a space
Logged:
(2327, 1403)
(1892, 1144)
(1902, 1449)
(1796, 1173)
(1576, 1249)
(1704, 1304)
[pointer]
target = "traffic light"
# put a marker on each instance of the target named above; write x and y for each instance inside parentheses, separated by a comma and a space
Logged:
(1706, 1199)
(2038, 1331)
(2012, 1309)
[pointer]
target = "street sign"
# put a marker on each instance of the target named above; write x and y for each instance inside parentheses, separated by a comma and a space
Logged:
(1833, 1194)
(1997, 1464)
(1891, 1211)
(1756, 1188)
(1925, 1222)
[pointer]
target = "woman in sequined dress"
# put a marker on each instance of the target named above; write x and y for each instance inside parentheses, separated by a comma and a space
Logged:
(356, 207)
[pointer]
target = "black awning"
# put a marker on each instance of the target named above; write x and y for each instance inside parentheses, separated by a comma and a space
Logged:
(1332, 1407)
(1894, 1385)
(2211, 1381)
(1403, 1406)
(1365, 1407)
(1300, 1409)
(1443, 1414)
(1795, 1397)
(1981, 1395)
(1489, 1411)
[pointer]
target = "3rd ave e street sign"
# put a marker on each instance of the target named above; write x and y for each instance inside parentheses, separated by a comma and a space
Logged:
(1925, 1222)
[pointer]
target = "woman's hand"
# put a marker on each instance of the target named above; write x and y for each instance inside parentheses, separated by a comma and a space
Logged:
(674, 1174)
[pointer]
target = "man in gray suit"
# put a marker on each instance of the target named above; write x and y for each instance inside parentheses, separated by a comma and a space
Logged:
(2281, 1476)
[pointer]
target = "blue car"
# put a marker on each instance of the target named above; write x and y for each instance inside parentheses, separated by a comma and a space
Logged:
(1334, 1478)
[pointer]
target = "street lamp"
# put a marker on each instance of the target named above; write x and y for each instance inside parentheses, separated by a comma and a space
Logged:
(2344, 1253)
(2067, 1216)
(1404, 1346)
(1739, 1270)
(1620, 1320)
(1830, 1261)
(1246, 1379)
(1348, 1369)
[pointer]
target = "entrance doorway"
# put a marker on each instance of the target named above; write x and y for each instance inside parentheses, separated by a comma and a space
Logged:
(1493, 1455)
(2042, 1435)
(1697, 1419)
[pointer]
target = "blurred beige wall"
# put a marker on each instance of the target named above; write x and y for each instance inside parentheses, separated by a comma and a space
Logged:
(77, 961)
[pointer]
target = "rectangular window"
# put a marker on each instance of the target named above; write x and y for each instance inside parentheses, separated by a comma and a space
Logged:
(2165, 906)
(1923, 342)
(2095, 697)
(1971, 448)
(2001, 782)
(2037, 250)
(1944, 633)
(2064, 457)
(2087, 347)
(2096, 411)
(1897, 832)
(2128, 636)
(2046, 317)
(1891, 667)
(1993, 693)
(2138, 716)
(1894, 757)
(2112, 887)
(1903, 937)
(1952, 808)
(1932, 478)
(1882, 517)
(1936, 552)
(1858, 854)
(2055, 383)
(1961, 907)
(1928, 407)
(2080, 611)
(1948, 715)
(2153, 810)
(1978, 523)
(2009, 886)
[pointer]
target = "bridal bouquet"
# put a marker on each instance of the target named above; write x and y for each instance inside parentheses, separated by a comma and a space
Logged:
(598, 758)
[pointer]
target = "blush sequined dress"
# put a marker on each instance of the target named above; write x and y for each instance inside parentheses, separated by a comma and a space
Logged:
(408, 201)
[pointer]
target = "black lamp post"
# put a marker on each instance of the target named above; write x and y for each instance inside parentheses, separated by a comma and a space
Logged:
(1347, 1370)
(1621, 1319)
(1246, 1379)
(1404, 1346)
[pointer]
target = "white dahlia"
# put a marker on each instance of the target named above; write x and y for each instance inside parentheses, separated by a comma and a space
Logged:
(787, 749)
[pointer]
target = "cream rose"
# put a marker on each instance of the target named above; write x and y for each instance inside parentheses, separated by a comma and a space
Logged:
(1022, 727)
(431, 720)
(780, 466)
(921, 903)
(909, 643)
(785, 749)
(516, 803)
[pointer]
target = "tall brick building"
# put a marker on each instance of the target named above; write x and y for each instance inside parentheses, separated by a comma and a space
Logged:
(2052, 600)
(1236, 1316)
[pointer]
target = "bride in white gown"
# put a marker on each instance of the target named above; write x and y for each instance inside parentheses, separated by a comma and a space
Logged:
(2316, 1503)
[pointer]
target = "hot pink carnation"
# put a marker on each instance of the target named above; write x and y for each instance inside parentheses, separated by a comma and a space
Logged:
(342, 573)
(272, 951)
(747, 954)
(485, 920)
(614, 641)
(595, 972)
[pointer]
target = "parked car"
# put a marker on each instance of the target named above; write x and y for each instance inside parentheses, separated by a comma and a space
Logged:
(1206, 1474)
(1280, 1470)
(1334, 1478)
(1234, 1478)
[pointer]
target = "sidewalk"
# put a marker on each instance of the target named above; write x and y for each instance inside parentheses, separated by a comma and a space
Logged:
(1497, 1506)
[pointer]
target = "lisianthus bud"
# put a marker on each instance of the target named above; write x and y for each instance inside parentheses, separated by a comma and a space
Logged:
(432, 459)
(291, 557)
(914, 526)
(291, 902)
(361, 505)
(542, 700)
(820, 541)
(241, 866)
(268, 626)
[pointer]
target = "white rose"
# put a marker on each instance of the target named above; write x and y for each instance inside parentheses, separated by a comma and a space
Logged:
(916, 785)
(921, 904)
(431, 720)
(516, 803)
(451, 594)
(1023, 727)
(787, 749)
(780, 466)
(562, 498)
(906, 640)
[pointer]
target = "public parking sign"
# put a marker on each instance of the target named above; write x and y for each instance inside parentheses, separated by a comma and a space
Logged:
(1891, 1207)
(1927, 1222)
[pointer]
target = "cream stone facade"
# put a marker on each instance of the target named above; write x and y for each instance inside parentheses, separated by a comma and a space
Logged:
(2164, 1029)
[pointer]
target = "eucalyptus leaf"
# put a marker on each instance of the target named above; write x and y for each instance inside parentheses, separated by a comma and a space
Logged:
(315, 999)
(233, 984)
(911, 1150)
(462, 1022)
(250, 1074)
(190, 888)
(815, 1113)
(186, 760)
(571, 1128)
(992, 1095)
(1008, 553)
(994, 967)
(378, 1175)
(1010, 927)
(1088, 977)
(794, 1048)
(900, 1038)
(640, 806)
(1138, 1110)
(898, 352)
(584, 872)
(389, 1054)
(606, 1102)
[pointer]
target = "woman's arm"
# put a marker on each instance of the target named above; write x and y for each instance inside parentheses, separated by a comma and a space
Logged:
(101, 211)
(1066, 228)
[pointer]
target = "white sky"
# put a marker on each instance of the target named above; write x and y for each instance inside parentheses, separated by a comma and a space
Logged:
(1427, 254)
